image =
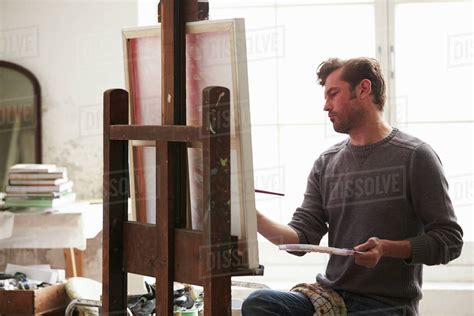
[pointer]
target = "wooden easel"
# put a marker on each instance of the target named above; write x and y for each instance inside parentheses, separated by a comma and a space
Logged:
(164, 251)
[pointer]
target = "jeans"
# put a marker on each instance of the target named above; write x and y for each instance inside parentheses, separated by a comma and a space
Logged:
(362, 305)
(271, 302)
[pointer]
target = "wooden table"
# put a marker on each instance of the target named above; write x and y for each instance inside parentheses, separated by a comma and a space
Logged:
(67, 227)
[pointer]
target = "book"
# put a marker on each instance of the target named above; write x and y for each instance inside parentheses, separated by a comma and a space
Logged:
(38, 194)
(32, 168)
(42, 188)
(38, 181)
(321, 249)
(56, 174)
(40, 202)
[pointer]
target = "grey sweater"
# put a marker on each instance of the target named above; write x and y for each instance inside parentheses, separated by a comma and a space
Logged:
(394, 189)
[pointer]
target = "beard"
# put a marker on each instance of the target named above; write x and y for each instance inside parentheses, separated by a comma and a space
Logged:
(348, 119)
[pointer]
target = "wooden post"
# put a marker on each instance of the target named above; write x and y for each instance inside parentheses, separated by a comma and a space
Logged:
(70, 261)
(216, 214)
(165, 269)
(170, 157)
(194, 10)
(74, 260)
(115, 190)
(173, 91)
(164, 232)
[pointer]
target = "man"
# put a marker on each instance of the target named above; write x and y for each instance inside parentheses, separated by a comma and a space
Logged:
(381, 192)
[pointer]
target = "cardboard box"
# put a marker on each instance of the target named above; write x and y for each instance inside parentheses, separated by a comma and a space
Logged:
(49, 300)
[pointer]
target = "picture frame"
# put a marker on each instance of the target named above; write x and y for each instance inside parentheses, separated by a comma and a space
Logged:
(215, 56)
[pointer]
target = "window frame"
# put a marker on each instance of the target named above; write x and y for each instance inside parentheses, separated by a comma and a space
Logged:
(461, 269)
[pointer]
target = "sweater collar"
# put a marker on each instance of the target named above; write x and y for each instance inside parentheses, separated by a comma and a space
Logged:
(374, 145)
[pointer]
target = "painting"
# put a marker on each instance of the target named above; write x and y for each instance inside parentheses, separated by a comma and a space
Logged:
(215, 56)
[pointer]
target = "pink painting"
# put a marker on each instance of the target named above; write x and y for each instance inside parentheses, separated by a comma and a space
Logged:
(215, 56)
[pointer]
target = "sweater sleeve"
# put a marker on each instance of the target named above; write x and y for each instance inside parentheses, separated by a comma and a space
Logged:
(310, 221)
(442, 238)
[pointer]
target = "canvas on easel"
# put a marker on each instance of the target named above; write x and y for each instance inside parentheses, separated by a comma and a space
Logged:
(215, 56)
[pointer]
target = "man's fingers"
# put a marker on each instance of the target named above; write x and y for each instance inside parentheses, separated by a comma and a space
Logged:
(360, 247)
(371, 253)
(369, 244)
(364, 247)
(368, 259)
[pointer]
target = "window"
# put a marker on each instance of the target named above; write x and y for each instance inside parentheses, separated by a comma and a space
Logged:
(286, 43)
(433, 89)
(431, 98)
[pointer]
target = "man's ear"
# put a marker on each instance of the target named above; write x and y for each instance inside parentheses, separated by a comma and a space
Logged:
(364, 88)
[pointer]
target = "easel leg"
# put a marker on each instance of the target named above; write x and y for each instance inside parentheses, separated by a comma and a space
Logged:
(216, 157)
(217, 296)
(114, 279)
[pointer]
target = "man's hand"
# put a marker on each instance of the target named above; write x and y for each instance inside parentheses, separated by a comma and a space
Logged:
(373, 251)
(375, 248)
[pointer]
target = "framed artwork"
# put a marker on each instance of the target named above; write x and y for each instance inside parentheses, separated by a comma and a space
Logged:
(215, 56)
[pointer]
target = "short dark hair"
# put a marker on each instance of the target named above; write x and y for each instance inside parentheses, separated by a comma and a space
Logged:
(354, 71)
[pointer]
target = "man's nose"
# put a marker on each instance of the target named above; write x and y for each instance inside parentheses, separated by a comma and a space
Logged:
(327, 106)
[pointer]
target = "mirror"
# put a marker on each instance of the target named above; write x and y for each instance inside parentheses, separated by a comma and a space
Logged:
(20, 118)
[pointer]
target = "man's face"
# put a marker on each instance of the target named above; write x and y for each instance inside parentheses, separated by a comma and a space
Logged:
(344, 109)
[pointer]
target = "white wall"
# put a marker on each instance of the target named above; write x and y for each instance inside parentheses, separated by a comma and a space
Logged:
(1, 15)
(75, 50)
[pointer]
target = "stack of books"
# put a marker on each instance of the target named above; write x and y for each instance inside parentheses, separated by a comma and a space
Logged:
(38, 185)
